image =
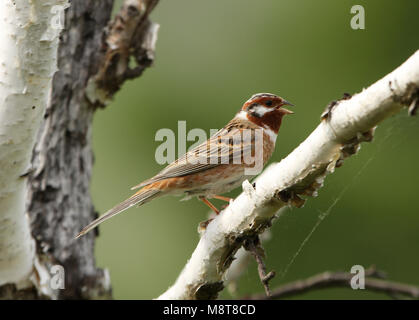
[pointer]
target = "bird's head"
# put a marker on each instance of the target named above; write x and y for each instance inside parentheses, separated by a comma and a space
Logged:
(266, 110)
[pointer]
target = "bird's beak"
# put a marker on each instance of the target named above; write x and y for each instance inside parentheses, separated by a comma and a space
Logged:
(286, 111)
(286, 103)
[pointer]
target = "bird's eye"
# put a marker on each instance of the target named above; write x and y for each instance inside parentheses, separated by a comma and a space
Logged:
(268, 103)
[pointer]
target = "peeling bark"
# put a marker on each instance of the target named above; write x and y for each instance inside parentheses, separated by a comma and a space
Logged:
(343, 127)
(58, 195)
(59, 201)
(127, 50)
(28, 60)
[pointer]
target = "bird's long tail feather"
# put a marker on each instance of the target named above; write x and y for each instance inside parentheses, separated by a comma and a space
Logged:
(139, 198)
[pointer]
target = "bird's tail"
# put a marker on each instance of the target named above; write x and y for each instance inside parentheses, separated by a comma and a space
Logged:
(142, 196)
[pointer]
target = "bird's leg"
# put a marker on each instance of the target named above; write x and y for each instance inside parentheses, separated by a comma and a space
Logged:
(209, 204)
(227, 199)
(203, 225)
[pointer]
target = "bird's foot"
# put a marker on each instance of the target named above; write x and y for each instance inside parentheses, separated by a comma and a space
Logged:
(203, 226)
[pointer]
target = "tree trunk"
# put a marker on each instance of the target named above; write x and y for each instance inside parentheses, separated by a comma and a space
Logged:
(93, 62)
(59, 187)
(26, 69)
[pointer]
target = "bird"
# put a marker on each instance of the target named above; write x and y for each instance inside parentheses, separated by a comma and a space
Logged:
(219, 164)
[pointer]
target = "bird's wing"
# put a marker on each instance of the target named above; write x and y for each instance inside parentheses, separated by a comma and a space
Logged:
(223, 147)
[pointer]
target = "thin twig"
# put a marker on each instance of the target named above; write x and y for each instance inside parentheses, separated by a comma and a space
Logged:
(342, 280)
(255, 248)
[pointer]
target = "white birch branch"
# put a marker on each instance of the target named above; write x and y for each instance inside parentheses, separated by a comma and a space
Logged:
(29, 33)
(302, 172)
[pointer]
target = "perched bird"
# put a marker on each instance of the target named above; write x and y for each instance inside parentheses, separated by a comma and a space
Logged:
(219, 164)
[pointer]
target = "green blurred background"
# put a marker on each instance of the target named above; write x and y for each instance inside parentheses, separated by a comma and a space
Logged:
(211, 56)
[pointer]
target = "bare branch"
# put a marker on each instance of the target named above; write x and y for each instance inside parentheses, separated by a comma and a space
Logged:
(129, 40)
(341, 280)
(254, 246)
(348, 123)
(242, 260)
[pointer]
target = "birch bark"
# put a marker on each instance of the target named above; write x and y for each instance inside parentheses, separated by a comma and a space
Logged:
(343, 127)
(28, 60)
